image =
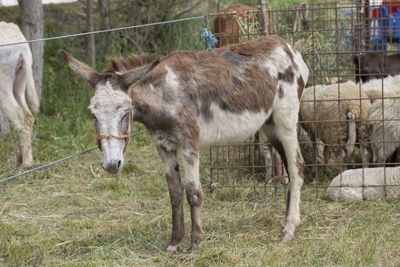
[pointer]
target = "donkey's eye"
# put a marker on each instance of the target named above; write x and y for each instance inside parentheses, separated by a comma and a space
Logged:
(125, 116)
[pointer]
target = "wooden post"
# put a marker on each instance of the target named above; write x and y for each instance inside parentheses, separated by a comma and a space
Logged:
(103, 7)
(91, 38)
(264, 17)
(33, 28)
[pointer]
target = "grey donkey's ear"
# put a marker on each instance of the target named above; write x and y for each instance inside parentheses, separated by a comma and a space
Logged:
(135, 75)
(82, 69)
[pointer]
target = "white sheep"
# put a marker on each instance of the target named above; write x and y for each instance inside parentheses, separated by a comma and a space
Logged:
(384, 135)
(373, 88)
(380, 132)
(366, 184)
(345, 119)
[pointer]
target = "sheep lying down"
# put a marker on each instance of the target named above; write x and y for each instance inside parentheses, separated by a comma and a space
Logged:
(349, 184)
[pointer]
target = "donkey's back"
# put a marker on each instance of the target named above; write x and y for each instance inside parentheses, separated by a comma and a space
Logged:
(10, 33)
(232, 90)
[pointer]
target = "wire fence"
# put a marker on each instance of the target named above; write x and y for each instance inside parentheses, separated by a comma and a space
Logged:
(340, 41)
(343, 124)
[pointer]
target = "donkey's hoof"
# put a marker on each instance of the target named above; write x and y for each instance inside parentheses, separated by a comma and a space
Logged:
(26, 164)
(194, 250)
(287, 237)
(172, 249)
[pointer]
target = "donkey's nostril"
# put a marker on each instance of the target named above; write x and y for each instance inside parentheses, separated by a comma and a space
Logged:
(112, 166)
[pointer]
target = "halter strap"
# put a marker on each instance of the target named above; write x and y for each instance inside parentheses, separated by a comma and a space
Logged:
(127, 136)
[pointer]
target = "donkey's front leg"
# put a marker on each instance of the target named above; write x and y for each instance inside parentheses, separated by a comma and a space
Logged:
(175, 187)
(194, 193)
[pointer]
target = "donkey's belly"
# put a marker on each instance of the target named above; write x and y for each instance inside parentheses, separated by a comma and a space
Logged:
(225, 126)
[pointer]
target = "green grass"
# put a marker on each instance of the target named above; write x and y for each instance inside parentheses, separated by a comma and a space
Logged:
(77, 214)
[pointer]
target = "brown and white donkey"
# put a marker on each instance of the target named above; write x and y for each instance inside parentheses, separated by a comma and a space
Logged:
(192, 98)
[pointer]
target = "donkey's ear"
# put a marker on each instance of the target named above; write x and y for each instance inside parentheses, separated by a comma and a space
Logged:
(82, 69)
(135, 75)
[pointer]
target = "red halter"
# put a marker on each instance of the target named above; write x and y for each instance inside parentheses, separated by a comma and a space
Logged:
(98, 137)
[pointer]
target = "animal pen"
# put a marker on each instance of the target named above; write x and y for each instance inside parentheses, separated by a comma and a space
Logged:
(333, 38)
(339, 41)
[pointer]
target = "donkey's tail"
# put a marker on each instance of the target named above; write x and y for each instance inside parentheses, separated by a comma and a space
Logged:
(33, 97)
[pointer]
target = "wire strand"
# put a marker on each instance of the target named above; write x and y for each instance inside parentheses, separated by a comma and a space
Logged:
(103, 31)
(57, 161)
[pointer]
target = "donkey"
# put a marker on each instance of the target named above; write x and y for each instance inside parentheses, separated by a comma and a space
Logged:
(375, 65)
(192, 98)
(16, 76)
(226, 27)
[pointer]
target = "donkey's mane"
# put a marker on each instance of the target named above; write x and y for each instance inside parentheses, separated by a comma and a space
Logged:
(122, 65)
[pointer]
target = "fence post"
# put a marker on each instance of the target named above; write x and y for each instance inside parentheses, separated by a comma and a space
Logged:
(264, 17)
(91, 37)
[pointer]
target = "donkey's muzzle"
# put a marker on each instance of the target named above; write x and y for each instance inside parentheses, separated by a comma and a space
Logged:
(112, 166)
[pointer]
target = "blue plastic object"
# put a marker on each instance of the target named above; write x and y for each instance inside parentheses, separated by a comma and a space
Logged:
(209, 38)
(385, 28)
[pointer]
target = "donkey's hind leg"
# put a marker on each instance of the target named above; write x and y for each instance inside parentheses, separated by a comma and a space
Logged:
(19, 95)
(286, 131)
(22, 121)
(283, 135)
(175, 187)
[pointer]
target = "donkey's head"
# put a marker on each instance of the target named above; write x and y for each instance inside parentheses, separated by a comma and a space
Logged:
(111, 107)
